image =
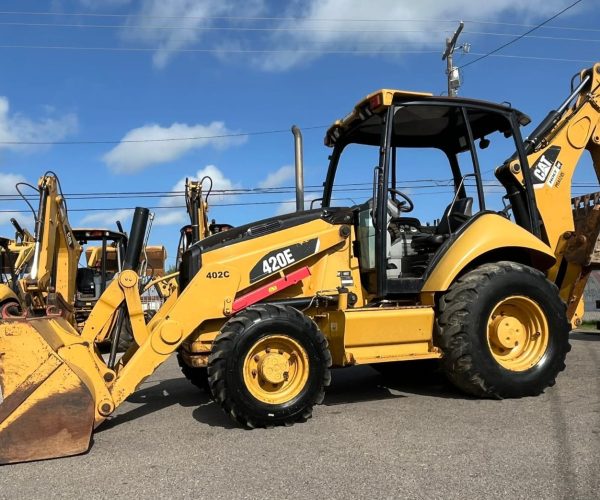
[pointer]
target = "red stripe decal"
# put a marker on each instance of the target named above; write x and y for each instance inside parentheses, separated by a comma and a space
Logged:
(270, 289)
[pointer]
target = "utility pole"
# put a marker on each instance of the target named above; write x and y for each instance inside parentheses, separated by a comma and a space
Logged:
(452, 71)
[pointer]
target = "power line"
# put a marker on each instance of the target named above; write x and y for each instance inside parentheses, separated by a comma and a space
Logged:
(273, 51)
(219, 50)
(510, 42)
(166, 139)
(315, 189)
(520, 25)
(290, 18)
(533, 37)
(228, 18)
(534, 58)
(240, 204)
(236, 191)
(285, 29)
(213, 28)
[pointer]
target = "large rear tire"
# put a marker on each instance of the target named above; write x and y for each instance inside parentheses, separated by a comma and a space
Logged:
(503, 331)
(269, 366)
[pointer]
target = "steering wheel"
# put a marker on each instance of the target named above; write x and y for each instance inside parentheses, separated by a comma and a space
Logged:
(403, 206)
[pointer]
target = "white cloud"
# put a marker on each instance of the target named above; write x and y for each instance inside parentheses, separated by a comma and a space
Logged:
(178, 216)
(129, 157)
(16, 127)
(220, 182)
(106, 218)
(8, 181)
(278, 178)
(190, 16)
(289, 206)
(170, 217)
(7, 187)
(98, 4)
(344, 33)
(310, 25)
(25, 220)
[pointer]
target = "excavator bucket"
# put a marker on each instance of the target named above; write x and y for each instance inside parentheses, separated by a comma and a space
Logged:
(46, 410)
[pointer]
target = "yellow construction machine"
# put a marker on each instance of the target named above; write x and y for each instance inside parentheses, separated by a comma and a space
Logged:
(8, 276)
(197, 208)
(16, 256)
(270, 306)
(46, 262)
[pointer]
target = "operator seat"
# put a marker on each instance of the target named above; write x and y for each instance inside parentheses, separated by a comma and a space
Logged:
(455, 215)
(84, 281)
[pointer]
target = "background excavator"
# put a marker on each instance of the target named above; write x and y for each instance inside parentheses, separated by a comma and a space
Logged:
(270, 306)
(15, 255)
(45, 280)
(42, 273)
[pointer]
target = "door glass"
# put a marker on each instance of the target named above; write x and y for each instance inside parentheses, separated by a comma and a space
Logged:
(494, 144)
(353, 184)
(426, 139)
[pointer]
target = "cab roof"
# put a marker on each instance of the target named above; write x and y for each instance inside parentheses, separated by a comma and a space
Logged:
(377, 102)
(95, 234)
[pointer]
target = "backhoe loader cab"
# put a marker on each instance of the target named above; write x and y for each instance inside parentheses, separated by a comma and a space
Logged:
(263, 311)
(396, 250)
(103, 254)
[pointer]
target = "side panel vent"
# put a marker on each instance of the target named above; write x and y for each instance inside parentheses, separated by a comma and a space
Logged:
(264, 228)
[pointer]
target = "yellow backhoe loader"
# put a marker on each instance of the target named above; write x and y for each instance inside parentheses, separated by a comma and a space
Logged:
(47, 261)
(197, 208)
(272, 305)
(16, 256)
(8, 276)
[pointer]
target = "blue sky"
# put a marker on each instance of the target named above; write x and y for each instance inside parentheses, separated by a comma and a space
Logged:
(153, 69)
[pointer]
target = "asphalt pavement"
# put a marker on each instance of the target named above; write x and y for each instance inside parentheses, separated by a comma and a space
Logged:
(410, 437)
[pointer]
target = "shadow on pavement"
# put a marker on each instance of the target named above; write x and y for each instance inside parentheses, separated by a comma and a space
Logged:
(211, 414)
(364, 383)
(356, 384)
(348, 385)
(166, 393)
(591, 335)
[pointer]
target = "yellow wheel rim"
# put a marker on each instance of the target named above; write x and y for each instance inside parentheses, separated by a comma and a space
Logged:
(276, 369)
(517, 333)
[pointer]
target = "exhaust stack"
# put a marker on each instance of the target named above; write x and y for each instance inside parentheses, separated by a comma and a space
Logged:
(299, 168)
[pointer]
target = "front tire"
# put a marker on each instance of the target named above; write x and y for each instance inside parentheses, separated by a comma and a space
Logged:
(503, 331)
(269, 366)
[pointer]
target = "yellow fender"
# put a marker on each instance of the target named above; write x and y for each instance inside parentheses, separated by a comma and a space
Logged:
(489, 232)
(7, 295)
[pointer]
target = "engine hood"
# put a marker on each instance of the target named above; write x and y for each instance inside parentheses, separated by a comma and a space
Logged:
(274, 224)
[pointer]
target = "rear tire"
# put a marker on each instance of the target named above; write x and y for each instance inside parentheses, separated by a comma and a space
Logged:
(12, 307)
(503, 331)
(269, 366)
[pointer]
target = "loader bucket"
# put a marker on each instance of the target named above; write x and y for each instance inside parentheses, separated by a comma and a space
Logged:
(47, 411)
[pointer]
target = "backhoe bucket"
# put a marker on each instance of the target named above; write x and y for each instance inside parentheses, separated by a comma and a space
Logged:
(47, 411)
